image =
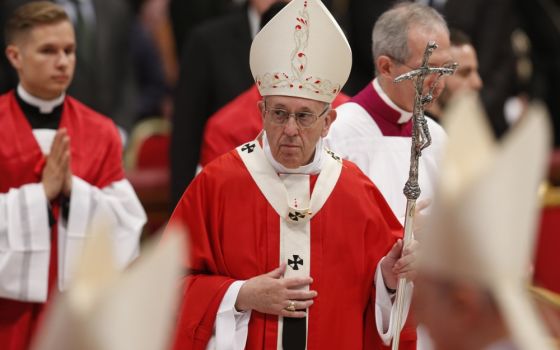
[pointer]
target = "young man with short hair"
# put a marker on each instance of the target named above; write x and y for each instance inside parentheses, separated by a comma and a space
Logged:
(61, 168)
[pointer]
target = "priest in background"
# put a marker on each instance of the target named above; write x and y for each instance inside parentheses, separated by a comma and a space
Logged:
(291, 247)
(374, 129)
(61, 166)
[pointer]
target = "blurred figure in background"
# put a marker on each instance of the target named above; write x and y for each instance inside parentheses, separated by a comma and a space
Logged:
(489, 24)
(466, 76)
(186, 15)
(541, 20)
(475, 263)
(150, 77)
(61, 166)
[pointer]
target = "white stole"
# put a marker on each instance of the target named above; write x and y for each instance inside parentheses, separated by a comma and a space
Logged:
(289, 195)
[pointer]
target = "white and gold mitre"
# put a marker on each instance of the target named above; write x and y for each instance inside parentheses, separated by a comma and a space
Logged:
(301, 52)
(487, 206)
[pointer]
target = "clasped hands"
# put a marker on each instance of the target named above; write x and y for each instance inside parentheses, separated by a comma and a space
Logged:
(57, 175)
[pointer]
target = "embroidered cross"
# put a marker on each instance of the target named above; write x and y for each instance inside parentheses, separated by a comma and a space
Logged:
(332, 154)
(295, 216)
(294, 263)
(248, 147)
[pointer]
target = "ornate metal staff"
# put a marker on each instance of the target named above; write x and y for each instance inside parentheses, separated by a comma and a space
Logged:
(420, 140)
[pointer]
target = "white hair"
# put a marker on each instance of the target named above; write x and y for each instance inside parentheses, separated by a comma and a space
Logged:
(390, 33)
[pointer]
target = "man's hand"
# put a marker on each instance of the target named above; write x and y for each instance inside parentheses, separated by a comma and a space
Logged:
(395, 266)
(57, 167)
(272, 294)
(67, 186)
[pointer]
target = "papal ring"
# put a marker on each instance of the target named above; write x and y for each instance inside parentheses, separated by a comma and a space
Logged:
(291, 307)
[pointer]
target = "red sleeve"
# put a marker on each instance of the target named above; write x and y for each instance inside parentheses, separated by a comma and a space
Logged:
(200, 302)
(204, 288)
(340, 99)
(214, 143)
(95, 144)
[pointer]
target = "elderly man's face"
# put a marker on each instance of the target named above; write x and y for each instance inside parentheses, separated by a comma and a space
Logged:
(292, 143)
(417, 41)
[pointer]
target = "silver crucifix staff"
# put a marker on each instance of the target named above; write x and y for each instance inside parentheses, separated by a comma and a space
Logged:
(420, 140)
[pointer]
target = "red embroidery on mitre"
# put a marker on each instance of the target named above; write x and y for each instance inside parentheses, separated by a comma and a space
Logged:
(299, 65)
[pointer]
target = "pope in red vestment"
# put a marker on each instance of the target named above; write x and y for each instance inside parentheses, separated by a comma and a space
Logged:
(291, 247)
(234, 235)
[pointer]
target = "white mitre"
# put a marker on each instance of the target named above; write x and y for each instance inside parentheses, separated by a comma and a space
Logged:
(301, 52)
(105, 309)
(487, 205)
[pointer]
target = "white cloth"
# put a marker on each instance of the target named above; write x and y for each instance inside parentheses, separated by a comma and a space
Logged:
(231, 326)
(314, 167)
(44, 106)
(25, 235)
(384, 310)
(24, 244)
(385, 160)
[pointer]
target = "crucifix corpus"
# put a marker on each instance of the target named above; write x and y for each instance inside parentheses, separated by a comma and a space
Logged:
(420, 140)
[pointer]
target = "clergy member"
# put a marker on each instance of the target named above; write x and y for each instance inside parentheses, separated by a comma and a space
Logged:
(61, 165)
(237, 122)
(240, 120)
(374, 129)
(291, 247)
(472, 292)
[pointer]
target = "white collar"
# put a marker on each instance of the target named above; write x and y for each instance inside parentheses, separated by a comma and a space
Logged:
(254, 20)
(405, 116)
(312, 168)
(45, 106)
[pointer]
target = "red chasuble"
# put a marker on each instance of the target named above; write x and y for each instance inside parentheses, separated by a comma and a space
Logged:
(234, 235)
(95, 158)
(237, 122)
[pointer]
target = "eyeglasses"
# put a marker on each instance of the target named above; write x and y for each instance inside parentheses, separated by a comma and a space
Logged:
(303, 119)
(401, 62)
